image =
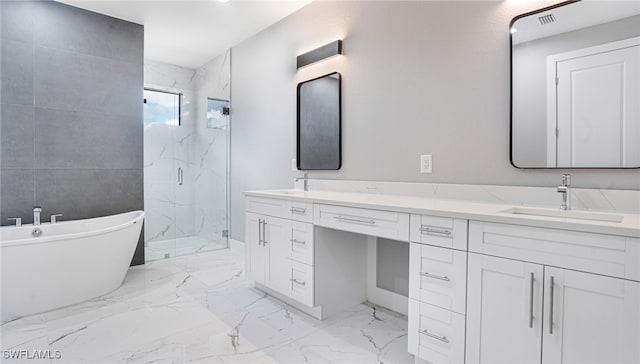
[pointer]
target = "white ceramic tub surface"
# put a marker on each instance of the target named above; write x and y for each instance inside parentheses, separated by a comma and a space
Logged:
(71, 262)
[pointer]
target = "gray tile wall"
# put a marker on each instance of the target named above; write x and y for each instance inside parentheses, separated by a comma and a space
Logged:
(71, 113)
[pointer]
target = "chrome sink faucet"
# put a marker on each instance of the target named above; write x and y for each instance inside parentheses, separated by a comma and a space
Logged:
(36, 215)
(305, 178)
(566, 192)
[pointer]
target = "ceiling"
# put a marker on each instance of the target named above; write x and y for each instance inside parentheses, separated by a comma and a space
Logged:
(190, 33)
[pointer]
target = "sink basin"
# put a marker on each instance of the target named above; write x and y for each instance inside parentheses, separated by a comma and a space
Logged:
(579, 215)
(288, 192)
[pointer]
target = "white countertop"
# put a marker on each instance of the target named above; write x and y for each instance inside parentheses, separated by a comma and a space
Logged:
(472, 210)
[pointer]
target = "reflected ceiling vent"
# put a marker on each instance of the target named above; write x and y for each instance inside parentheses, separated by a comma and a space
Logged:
(547, 19)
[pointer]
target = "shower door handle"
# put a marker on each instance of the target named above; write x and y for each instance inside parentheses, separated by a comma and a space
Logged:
(180, 177)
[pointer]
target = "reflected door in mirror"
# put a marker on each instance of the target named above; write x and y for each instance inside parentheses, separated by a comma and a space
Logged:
(595, 99)
(575, 86)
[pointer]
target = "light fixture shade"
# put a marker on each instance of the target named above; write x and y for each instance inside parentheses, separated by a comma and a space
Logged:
(320, 53)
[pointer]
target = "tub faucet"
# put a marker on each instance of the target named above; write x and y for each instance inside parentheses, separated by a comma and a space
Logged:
(565, 191)
(36, 215)
(305, 178)
(54, 218)
(18, 220)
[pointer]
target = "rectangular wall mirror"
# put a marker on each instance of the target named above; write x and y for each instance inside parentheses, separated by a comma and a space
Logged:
(319, 119)
(575, 86)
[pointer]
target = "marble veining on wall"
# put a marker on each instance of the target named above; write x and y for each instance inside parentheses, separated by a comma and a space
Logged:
(169, 205)
(581, 198)
(190, 214)
(210, 175)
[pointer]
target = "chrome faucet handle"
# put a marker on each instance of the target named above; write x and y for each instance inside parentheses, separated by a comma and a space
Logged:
(18, 220)
(36, 214)
(305, 179)
(54, 218)
(566, 194)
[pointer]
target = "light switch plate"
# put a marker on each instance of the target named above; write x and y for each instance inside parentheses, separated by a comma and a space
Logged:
(426, 163)
(294, 165)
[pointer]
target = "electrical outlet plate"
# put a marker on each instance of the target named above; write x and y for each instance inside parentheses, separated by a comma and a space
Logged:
(426, 163)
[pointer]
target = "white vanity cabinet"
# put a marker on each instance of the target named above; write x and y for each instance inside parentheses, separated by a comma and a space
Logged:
(267, 257)
(516, 308)
(437, 288)
(504, 316)
(279, 246)
(509, 289)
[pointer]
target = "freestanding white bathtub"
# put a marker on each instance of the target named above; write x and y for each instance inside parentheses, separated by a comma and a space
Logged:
(71, 262)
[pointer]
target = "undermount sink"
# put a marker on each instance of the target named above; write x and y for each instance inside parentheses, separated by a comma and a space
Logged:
(579, 215)
(289, 192)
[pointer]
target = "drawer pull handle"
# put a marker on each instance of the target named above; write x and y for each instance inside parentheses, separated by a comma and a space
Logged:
(426, 230)
(298, 241)
(429, 275)
(298, 210)
(298, 282)
(356, 221)
(434, 336)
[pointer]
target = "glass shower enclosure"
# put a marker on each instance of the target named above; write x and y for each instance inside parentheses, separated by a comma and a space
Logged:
(185, 173)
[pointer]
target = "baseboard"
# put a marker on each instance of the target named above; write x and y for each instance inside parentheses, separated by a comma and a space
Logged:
(236, 244)
(315, 312)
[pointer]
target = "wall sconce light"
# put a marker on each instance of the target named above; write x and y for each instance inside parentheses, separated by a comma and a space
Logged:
(328, 50)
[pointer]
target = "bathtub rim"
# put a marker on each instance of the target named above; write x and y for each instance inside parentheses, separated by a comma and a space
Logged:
(137, 216)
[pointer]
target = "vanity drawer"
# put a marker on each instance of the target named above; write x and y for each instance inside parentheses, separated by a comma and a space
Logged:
(301, 211)
(438, 276)
(435, 334)
(302, 283)
(611, 255)
(269, 206)
(385, 224)
(302, 242)
(440, 231)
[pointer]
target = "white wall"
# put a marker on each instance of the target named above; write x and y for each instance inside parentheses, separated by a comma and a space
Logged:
(418, 78)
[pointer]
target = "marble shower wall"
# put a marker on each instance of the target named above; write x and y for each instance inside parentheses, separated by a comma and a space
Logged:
(211, 148)
(169, 206)
(199, 206)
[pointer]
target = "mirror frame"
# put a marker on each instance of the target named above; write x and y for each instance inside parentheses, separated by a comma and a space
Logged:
(339, 122)
(511, 149)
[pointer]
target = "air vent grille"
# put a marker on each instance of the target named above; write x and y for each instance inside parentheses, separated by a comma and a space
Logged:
(547, 19)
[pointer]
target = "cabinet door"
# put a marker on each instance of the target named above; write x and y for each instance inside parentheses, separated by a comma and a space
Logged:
(255, 252)
(277, 241)
(596, 319)
(504, 310)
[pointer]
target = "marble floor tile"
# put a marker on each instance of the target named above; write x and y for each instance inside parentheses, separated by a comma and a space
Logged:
(201, 309)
